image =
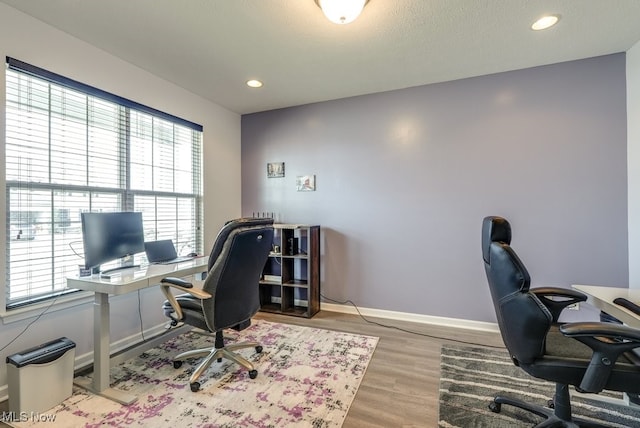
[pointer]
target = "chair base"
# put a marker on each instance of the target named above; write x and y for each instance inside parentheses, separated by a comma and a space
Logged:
(218, 354)
(558, 416)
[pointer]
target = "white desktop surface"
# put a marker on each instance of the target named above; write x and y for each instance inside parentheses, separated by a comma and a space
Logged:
(602, 298)
(121, 282)
(132, 279)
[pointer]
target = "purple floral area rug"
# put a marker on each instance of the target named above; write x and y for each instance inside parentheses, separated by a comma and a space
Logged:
(307, 377)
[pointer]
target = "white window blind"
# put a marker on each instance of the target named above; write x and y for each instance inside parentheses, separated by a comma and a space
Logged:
(71, 148)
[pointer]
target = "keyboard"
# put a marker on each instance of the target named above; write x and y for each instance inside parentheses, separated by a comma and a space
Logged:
(628, 304)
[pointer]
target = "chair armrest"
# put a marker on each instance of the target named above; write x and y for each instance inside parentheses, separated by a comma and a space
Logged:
(608, 341)
(171, 282)
(556, 307)
(601, 329)
(176, 281)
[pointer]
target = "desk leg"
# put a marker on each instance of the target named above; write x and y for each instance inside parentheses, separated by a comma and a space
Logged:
(101, 362)
(101, 337)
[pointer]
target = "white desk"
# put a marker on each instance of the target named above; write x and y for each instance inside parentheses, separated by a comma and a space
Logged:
(121, 282)
(602, 298)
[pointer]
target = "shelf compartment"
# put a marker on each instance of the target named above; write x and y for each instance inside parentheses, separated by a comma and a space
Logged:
(270, 295)
(300, 283)
(271, 307)
(273, 267)
(300, 311)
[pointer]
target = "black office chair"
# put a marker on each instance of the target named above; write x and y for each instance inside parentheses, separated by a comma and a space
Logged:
(229, 296)
(586, 355)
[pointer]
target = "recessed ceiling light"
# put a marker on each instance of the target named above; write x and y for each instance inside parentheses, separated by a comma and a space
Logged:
(253, 83)
(545, 22)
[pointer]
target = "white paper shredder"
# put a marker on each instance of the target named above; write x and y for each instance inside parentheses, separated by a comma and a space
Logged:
(41, 377)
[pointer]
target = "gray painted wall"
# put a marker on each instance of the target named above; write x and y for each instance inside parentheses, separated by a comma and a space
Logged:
(404, 179)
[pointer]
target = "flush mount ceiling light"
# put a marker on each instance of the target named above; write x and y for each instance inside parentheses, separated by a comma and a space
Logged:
(341, 11)
(253, 83)
(545, 22)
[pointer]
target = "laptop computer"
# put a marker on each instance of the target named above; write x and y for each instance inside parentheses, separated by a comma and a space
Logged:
(163, 252)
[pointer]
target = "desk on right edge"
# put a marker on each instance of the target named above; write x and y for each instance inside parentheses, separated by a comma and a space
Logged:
(602, 298)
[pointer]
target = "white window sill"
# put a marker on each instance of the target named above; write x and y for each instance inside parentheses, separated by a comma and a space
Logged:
(49, 306)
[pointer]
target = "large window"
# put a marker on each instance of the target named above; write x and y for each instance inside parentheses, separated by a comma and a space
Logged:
(71, 148)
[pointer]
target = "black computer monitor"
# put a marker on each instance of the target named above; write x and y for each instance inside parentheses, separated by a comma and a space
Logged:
(111, 236)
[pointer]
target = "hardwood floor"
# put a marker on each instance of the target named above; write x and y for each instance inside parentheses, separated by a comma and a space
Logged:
(400, 387)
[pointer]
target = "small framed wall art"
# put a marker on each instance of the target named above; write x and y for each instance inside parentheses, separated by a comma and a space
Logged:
(275, 169)
(306, 183)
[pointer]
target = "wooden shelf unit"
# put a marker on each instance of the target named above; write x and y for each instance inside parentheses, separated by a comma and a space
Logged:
(290, 282)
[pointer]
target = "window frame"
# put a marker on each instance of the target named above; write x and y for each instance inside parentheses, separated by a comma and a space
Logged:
(64, 298)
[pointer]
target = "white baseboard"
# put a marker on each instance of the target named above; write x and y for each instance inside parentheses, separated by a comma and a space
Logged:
(417, 318)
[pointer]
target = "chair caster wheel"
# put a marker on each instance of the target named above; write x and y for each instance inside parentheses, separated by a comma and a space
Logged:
(177, 364)
(195, 386)
(253, 374)
(495, 407)
(551, 404)
(258, 349)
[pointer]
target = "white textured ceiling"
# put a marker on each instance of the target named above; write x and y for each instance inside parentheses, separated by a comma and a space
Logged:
(211, 47)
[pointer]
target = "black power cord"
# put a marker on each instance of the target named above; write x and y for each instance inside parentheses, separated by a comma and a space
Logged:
(53, 301)
(31, 323)
(448, 339)
(140, 317)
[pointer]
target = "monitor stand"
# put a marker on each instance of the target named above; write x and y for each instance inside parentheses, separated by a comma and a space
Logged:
(107, 274)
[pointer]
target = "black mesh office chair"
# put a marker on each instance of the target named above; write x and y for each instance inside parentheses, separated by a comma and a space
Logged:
(229, 296)
(586, 355)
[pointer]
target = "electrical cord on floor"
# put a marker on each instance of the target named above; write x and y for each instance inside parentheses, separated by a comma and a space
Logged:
(402, 329)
